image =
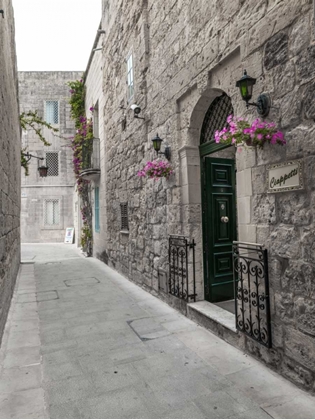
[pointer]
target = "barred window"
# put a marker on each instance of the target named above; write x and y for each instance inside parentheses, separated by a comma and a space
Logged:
(52, 161)
(51, 212)
(130, 77)
(124, 216)
(52, 112)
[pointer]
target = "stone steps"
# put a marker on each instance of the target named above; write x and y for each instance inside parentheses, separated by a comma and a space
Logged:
(219, 321)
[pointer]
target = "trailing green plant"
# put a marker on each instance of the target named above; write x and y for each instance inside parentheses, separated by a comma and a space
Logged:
(24, 162)
(77, 100)
(81, 145)
(31, 120)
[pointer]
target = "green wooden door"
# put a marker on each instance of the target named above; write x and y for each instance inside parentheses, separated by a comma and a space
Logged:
(219, 227)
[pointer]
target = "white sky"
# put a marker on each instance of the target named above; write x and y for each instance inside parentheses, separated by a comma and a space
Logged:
(55, 35)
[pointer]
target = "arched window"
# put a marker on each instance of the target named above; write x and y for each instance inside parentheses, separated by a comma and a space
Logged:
(215, 118)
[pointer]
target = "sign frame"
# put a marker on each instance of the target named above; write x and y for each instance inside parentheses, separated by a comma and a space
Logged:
(69, 236)
(293, 163)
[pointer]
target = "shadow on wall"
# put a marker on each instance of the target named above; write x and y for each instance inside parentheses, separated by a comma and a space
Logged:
(103, 256)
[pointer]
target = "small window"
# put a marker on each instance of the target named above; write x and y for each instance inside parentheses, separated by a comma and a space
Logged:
(130, 77)
(124, 216)
(52, 112)
(97, 208)
(52, 212)
(52, 161)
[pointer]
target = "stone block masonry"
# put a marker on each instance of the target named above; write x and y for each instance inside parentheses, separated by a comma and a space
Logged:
(186, 54)
(10, 163)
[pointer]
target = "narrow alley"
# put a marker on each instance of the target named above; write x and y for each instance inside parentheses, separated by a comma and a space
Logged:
(81, 341)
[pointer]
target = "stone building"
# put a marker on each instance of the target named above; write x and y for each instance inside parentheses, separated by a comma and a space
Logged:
(179, 62)
(47, 203)
(10, 162)
(92, 172)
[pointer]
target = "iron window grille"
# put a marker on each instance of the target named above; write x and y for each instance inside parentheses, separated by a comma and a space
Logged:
(215, 118)
(52, 161)
(52, 112)
(130, 84)
(124, 225)
(51, 212)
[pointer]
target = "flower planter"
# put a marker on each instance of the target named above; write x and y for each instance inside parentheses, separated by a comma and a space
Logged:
(156, 169)
(239, 130)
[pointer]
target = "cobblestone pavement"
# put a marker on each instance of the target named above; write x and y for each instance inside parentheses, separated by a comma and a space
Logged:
(81, 341)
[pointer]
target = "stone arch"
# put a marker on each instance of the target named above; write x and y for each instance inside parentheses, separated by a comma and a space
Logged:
(189, 164)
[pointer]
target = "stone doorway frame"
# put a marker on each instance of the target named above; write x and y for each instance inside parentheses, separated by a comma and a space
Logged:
(190, 169)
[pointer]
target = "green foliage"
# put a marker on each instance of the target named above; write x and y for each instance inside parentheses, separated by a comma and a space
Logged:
(86, 236)
(82, 144)
(24, 162)
(31, 120)
(77, 100)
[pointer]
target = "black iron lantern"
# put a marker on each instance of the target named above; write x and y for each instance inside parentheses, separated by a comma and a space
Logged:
(157, 141)
(43, 170)
(245, 84)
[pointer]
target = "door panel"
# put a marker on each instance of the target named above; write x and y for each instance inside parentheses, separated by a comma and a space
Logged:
(219, 227)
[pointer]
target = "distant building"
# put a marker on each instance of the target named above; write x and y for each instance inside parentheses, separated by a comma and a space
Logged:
(47, 203)
(10, 164)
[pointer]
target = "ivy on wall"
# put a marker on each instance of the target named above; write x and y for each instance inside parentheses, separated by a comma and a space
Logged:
(80, 144)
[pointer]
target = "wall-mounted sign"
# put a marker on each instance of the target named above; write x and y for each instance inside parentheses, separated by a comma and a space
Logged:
(285, 176)
(69, 236)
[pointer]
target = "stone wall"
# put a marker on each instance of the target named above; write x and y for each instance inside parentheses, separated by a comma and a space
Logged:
(185, 54)
(34, 89)
(10, 163)
(95, 97)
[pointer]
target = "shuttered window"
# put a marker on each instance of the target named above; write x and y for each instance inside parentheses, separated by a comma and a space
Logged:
(124, 216)
(52, 112)
(52, 212)
(97, 208)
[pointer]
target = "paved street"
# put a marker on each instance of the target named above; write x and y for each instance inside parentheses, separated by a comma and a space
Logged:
(83, 342)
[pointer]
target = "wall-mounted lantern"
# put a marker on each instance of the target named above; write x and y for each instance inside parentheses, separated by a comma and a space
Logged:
(43, 170)
(263, 103)
(157, 141)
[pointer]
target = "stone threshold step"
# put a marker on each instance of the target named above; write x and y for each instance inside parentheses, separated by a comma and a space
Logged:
(212, 316)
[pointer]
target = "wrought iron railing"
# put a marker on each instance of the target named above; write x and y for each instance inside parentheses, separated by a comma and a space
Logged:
(180, 267)
(91, 155)
(252, 305)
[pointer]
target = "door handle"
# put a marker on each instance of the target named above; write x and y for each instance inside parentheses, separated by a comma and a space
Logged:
(224, 219)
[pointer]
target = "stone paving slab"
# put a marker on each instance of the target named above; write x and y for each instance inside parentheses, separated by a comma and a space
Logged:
(108, 349)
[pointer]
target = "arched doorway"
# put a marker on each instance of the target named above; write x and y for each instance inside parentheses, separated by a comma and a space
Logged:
(218, 203)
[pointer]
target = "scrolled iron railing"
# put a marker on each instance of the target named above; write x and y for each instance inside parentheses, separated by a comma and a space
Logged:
(180, 285)
(251, 285)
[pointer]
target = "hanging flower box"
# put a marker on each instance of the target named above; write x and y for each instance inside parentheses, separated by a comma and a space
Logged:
(239, 130)
(156, 169)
